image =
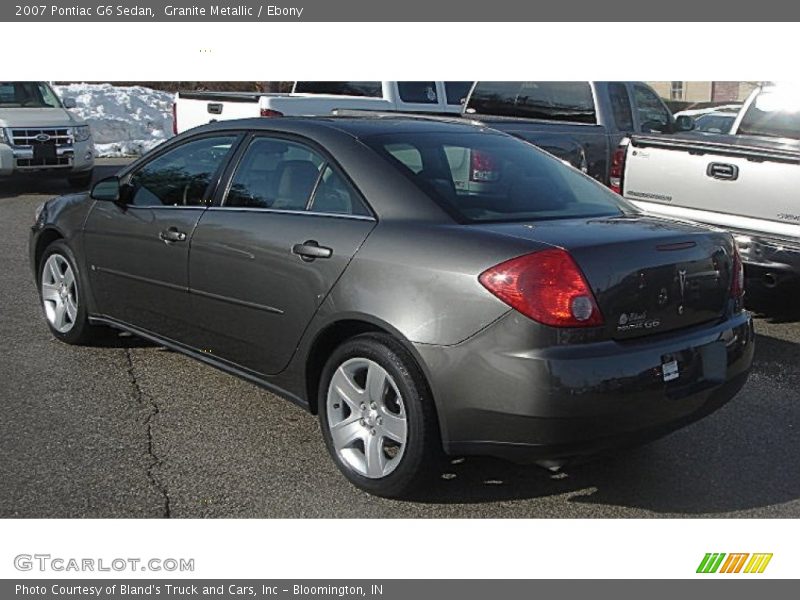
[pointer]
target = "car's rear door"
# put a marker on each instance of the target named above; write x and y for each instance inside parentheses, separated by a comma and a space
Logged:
(262, 262)
(138, 250)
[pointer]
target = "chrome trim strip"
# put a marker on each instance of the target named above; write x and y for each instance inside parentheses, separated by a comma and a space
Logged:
(171, 286)
(292, 212)
(231, 300)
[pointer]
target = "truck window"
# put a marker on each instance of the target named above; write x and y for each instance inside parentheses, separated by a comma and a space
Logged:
(551, 100)
(653, 115)
(456, 91)
(774, 113)
(418, 92)
(620, 105)
(372, 89)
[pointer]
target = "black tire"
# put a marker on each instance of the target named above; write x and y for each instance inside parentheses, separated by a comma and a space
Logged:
(80, 332)
(422, 453)
(80, 182)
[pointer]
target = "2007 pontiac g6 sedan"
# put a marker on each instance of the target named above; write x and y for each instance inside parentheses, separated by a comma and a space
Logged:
(428, 288)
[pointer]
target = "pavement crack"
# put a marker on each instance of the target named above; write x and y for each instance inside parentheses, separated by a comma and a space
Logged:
(146, 401)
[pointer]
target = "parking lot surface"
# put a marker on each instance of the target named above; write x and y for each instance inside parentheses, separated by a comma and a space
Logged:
(132, 430)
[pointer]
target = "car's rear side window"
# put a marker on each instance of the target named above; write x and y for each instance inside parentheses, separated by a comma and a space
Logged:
(372, 89)
(552, 100)
(283, 175)
(480, 177)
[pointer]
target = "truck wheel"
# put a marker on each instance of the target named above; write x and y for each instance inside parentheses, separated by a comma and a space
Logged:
(377, 416)
(82, 181)
(63, 300)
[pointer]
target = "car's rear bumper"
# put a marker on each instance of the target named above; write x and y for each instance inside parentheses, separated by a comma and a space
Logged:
(496, 396)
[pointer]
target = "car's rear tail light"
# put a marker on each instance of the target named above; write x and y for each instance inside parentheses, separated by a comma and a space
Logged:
(482, 167)
(737, 280)
(175, 118)
(547, 286)
(268, 112)
(617, 171)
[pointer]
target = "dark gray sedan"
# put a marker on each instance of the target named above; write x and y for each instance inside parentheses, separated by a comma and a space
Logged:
(426, 287)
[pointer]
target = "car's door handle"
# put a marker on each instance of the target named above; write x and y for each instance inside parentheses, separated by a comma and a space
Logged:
(311, 250)
(172, 235)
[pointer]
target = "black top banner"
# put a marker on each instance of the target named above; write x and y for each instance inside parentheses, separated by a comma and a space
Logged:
(400, 11)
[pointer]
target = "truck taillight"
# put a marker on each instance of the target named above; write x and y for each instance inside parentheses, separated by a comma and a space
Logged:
(482, 167)
(617, 171)
(268, 112)
(175, 118)
(547, 286)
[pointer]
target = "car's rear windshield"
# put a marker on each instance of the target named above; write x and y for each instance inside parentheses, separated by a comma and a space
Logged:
(27, 94)
(488, 177)
(552, 100)
(774, 113)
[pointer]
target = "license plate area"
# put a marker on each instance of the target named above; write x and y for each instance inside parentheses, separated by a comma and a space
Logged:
(44, 152)
(692, 370)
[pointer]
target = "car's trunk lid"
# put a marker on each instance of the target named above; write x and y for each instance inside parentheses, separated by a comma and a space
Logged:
(649, 275)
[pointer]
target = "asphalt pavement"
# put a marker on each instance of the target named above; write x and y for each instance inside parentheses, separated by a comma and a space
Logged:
(132, 430)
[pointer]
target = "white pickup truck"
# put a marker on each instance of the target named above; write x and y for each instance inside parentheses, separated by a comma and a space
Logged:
(39, 136)
(747, 182)
(314, 98)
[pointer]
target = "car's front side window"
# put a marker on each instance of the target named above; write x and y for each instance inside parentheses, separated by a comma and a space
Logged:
(180, 176)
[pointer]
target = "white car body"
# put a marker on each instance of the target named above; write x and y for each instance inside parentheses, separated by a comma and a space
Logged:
(198, 108)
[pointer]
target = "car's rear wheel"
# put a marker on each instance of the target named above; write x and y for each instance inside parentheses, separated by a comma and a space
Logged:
(377, 416)
(62, 298)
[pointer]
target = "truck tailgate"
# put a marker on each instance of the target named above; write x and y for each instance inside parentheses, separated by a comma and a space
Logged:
(722, 175)
(198, 108)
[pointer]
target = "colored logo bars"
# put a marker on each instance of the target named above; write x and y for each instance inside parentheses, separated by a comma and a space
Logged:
(734, 563)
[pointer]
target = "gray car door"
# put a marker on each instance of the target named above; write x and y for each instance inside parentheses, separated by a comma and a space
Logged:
(137, 250)
(262, 262)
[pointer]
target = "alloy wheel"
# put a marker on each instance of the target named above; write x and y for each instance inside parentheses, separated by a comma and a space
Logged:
(366, 418)
(59, 293)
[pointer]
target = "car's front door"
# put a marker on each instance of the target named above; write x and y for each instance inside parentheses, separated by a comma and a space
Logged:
(262, 263)
(137, 249)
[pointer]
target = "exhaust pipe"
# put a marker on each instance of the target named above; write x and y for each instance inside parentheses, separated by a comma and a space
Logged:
(770, 280)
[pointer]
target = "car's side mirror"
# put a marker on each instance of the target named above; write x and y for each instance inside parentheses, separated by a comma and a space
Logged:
(684, 123)
(69, 103)
(107, 189)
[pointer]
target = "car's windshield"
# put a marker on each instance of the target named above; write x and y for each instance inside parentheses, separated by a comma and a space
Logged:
(774, 113)
(27, 94)
(481, 177)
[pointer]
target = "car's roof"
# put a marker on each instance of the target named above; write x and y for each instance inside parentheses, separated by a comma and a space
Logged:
(355, 126)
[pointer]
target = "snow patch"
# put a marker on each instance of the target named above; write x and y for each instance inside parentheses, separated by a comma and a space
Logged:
(125, 120)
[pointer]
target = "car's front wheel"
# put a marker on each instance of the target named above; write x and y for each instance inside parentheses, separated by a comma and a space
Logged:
(377, 416)
(62, 297)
